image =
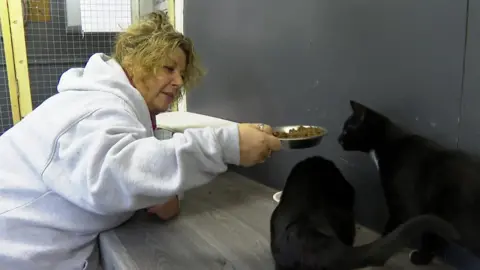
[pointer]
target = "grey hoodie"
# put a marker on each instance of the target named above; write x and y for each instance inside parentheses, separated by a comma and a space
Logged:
(85, 160)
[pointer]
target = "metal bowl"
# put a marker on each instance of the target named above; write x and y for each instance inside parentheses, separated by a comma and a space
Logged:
(300, 143)
(277, 196)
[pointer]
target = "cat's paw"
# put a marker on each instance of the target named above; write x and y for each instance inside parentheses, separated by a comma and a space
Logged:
(419, 258)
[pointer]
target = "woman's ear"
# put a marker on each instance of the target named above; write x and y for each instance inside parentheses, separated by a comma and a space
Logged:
(135, 74)
(127, 67)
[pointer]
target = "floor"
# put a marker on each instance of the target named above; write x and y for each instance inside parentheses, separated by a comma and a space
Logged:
(399, 261)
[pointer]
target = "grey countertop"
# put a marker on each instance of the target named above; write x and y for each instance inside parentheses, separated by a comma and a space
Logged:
(223, 225)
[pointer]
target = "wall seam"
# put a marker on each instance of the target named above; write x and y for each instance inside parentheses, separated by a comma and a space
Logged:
(462, 87)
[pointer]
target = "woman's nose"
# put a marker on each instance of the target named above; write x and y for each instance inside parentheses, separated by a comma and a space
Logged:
(177, 79)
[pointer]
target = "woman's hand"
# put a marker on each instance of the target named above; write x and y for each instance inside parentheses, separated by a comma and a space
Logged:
(167, 210)
(263, 127)
(256, 143)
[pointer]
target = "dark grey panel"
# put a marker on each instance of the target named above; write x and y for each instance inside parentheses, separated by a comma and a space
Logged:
(470, 120)
(6, 120)
(470, 114)
(270, 63)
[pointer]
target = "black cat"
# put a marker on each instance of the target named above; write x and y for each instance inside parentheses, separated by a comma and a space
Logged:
(419, 177)
(313, 226)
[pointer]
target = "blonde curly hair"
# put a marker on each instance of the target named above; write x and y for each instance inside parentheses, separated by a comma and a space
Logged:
(145, 47)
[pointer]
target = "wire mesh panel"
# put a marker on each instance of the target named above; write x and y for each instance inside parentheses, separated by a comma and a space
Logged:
(5, 110)
(54, 45)
(62, 34)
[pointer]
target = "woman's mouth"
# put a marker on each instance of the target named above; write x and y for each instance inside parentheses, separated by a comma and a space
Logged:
(171, 95)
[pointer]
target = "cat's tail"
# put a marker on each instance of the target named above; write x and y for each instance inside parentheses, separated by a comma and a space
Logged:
(378, 252)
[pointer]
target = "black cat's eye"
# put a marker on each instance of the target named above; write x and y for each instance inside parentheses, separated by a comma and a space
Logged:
(353, 122)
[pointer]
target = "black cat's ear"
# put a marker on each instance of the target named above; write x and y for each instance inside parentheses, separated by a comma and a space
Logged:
(358, 109)
(353, 104)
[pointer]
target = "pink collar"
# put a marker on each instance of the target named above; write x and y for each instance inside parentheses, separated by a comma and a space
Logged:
(154, 121)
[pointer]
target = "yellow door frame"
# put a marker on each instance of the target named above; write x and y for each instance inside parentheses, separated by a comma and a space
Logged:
(16, 58)
(9, 60)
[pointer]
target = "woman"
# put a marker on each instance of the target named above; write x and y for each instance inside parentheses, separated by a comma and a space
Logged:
(86, 159)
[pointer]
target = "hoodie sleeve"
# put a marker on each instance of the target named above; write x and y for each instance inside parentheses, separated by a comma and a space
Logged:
(105, 163)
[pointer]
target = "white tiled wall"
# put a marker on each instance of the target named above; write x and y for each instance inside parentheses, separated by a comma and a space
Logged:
(105, 15)
(161, 5)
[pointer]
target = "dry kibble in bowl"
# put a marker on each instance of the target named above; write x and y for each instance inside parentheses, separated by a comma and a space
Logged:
(300, 132)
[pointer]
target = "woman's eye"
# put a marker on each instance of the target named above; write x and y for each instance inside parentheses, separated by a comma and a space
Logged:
(170, 69)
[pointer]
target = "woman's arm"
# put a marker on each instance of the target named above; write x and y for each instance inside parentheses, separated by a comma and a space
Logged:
(106, 164)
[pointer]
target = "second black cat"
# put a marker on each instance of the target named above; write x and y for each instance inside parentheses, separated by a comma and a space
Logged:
(313, 226)
(418, 177)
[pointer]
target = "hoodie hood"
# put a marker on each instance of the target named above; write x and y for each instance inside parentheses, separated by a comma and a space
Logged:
(103, 73)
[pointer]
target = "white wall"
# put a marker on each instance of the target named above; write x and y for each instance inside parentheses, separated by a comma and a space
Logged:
(182, 105)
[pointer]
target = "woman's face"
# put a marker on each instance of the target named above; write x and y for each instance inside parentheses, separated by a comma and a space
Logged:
(161, 90)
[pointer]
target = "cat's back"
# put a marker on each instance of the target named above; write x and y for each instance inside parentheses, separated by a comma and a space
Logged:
(423, 169)
(433, 160)
(409, 155)
(330, 181)
(307, 243)
(314, 219)
(316, 180)
(412, 147)
(457, 172)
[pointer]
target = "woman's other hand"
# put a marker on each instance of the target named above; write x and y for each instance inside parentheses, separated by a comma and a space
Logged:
(167, 210)
(256, 143)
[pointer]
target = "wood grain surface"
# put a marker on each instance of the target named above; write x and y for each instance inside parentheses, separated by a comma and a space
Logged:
(223, 225)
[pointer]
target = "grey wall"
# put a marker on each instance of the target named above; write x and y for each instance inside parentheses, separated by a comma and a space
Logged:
(50, 51)
(469, 118)
(281, 67)
(274, 63)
